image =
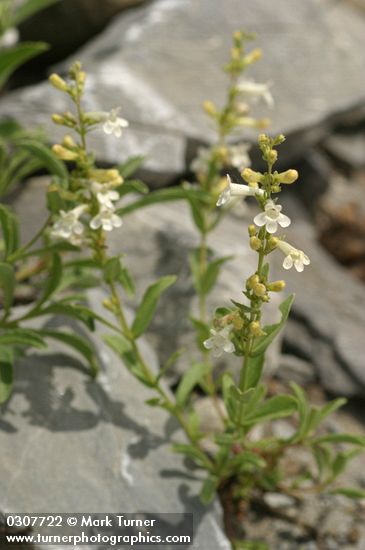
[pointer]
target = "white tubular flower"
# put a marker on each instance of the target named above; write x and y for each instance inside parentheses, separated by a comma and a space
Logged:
(9, 38)
(238, 156)
(69, 226)
(293, 256)
(220, 341)
(113, 123)
(271, 217)
(237, 190)
(106, 219)
(255, 91)
(105, 194)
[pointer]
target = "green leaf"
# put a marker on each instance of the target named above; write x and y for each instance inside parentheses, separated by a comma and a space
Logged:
(76, 342)
(162, 195)
(126, 280)
(188, 450)
(303, 410)
(341, 438)
(210, 276)
(45, 155)
(11, 58)
(275, 407)
(112, 270)
(29, 8)
(149, 303)
(246, 458)
(133, 186)
(128, 168)
(254, 368)
(10, 230)
(123, 348)
(75, 311)
(6, 373)
(54, 279)
(191, 378)
(350, 492)
(272, 330)
(22, 336)
(202, 332)
(7, 283)
(209, 489)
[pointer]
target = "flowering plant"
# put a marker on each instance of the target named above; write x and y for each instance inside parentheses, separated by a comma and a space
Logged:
(83, 206)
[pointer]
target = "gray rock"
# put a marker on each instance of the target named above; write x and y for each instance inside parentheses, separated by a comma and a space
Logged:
(349, 149)
(73, 444)
(160, 61)
(329, 306)
(293, 368)
(278, 500)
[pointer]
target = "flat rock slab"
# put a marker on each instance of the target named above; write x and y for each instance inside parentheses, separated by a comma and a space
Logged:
(70, 444)
(328, 310)
(160, 61)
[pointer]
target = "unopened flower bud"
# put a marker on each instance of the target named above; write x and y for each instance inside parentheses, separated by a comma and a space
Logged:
(290, 176)
(108, 304)
(279, 139)
(276, 286)
(252, 281)
(252, 177)
(255, 243)
(253, 56)
(265, 298)
(58, 82)
(235, 53)
(209, 108)
(263, 140)
(259, 290)
(275, 189)
(68, 142)
(238, 322)
(273, 243)
(58, 119)
(252, 230)
(262, 123)
(255, 328)
(64, 154)
(272, 156)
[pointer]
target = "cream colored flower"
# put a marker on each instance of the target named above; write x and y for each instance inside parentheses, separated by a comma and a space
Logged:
(272, 217)
(293, 256)
(69, 227)
(255, 91)
(106, 219)
(220, 341)
(237, 190)
(105, 193)
(113, 123)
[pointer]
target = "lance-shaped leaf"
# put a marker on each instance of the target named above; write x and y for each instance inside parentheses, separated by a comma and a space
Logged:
(22, 337)
(130, 166)
(12, 58)
(45, 155)
(163, 195)
(254, 367)
(7, 283)
(191, 378)
(10, 230)
(76, 342)
(271, 331)
(149, 303)
(275, 407)
(209, 489)
(6, 372)
(124, 349)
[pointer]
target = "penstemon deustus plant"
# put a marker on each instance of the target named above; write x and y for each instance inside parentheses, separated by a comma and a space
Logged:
(84, 210)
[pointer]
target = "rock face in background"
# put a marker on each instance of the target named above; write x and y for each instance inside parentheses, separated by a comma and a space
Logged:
(72, 444)
(160, 61)
(83, 19)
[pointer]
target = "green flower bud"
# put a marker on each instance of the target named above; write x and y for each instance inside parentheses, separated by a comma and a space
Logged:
(288, 177)
(252, 177)
(58, 82)
(252, 281)
(255, 243)
(252, 230)
(259, 290)
(276, 286)
(255, 328)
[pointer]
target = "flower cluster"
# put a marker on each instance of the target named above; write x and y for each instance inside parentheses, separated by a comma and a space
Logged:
(93, 193)
(228, 337)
